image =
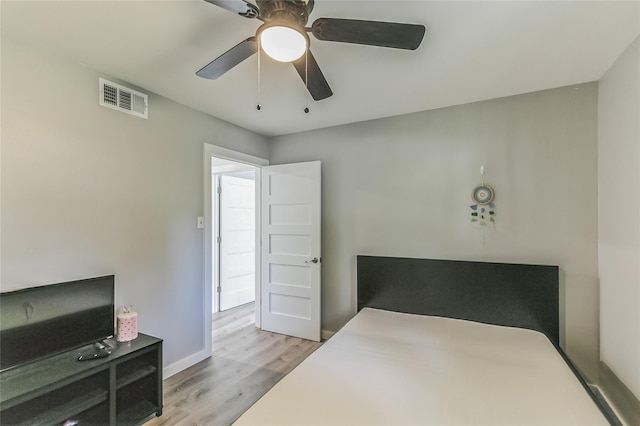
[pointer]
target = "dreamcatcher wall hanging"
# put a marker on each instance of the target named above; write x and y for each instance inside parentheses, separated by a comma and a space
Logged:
(483, 211)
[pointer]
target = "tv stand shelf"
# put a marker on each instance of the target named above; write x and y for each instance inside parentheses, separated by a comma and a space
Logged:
(124, 388)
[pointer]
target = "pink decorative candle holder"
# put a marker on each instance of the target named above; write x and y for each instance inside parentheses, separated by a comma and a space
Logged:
(127, 325)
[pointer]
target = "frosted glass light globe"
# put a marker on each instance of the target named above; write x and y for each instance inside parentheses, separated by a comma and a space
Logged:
(283, 44)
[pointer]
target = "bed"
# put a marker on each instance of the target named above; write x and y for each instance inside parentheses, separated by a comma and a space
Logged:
(438, 342)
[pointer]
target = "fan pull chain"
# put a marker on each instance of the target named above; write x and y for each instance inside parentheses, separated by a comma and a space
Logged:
(258, 106)
(306, 79)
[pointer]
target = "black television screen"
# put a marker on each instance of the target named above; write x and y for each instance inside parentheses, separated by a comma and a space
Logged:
(41, 321)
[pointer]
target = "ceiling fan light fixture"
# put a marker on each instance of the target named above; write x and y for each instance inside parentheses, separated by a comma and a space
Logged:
(283, 43)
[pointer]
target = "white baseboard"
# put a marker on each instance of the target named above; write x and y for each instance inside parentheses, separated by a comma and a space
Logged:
(184, 363)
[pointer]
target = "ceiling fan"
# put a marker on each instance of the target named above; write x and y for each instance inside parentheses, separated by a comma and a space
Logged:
(283, 36)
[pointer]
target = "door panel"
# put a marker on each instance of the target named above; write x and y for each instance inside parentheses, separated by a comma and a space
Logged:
(290, 243)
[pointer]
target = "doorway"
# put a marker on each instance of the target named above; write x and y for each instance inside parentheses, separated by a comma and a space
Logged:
(287, 284)
(234, 219)
(216, 156)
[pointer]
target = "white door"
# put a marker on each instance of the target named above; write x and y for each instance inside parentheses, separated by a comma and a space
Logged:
(237, 242)
(291, 249)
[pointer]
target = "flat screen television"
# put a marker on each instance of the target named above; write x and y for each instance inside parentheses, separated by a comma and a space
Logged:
(41, 321)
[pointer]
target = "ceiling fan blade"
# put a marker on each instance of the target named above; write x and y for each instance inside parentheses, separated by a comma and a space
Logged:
(239, 7)
(373, 33)
(316, 83)
(229, 59)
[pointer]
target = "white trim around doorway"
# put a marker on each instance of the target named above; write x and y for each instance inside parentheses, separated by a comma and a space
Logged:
(240, 157)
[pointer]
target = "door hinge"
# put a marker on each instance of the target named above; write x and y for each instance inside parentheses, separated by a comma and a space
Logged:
(219, 239)
(219, 190)
(219, 289)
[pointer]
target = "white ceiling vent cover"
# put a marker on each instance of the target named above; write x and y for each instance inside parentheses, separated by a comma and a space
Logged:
(123, 99)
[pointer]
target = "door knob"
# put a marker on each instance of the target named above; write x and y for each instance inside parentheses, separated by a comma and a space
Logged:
(314, 260)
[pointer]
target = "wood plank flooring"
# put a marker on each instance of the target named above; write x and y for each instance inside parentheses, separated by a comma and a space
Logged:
(246, 363)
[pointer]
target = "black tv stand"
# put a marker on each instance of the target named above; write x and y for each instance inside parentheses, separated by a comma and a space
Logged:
(123, 388)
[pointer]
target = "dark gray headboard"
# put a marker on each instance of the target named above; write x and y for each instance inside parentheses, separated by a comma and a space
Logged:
(524, 296)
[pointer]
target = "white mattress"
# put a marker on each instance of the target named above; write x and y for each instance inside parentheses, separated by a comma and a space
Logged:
(388, 368)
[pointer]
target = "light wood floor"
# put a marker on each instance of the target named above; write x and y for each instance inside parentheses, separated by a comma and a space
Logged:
(246, 363)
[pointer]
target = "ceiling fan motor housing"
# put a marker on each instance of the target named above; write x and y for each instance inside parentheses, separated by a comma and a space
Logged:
(294, 11)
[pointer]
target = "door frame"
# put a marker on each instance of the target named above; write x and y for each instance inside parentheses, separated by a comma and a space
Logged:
(207, 287)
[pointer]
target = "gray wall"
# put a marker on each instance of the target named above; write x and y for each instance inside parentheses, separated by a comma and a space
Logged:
(88, 191)
(401, 186)
(619, 216)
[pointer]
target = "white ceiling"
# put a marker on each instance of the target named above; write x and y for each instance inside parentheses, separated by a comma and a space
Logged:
(473, 50)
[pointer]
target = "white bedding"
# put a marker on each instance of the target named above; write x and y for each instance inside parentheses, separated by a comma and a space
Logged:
(388, 368)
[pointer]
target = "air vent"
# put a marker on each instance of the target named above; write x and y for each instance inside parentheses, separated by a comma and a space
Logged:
(123, 99)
